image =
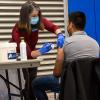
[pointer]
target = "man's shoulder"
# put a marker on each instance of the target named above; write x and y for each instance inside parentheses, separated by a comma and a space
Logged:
(71, 39)
(80, 38)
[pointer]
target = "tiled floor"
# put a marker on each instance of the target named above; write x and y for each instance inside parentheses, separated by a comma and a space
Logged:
(51, 96)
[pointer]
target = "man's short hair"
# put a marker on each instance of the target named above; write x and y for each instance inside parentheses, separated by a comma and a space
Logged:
(78, 19)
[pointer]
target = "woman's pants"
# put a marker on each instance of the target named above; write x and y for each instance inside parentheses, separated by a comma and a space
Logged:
(29, 75)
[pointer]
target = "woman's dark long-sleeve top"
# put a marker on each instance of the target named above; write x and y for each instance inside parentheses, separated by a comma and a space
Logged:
(32, 38)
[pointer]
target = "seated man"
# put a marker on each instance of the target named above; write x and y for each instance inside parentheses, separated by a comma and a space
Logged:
(78, 45)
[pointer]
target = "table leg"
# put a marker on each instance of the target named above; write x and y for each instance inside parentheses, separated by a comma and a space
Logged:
(20, 84)
(8, 86)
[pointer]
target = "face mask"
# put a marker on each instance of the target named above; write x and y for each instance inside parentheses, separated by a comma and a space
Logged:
(34, 20)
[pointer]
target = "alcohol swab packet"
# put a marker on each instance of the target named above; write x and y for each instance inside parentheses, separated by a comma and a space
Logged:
(53, 46)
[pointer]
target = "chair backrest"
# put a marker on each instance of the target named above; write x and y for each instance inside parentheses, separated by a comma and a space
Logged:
(80, 80)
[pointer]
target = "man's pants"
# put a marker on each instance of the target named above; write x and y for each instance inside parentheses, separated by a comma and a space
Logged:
(45, 83)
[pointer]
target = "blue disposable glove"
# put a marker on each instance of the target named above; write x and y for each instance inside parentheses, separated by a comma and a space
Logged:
(60, 40)
(45, 48)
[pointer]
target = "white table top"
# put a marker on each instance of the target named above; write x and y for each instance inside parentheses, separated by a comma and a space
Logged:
(20, 64)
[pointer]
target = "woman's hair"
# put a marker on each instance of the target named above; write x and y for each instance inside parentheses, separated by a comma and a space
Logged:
(24, 21)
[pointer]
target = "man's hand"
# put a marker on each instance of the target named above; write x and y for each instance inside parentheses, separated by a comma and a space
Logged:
(45, 48)
(60, 40)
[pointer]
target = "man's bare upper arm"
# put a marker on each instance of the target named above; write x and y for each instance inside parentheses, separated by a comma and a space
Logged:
(59, 62)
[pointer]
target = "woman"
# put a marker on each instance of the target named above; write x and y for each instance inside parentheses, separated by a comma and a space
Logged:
(28, 26)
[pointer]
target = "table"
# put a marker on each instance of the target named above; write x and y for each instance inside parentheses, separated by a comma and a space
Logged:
(20, 64)
(17, 65)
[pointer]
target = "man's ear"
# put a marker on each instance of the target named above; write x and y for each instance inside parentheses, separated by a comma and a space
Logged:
(71, 24)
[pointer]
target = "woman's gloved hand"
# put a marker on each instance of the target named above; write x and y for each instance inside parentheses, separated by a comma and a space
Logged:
(60, 40)
(45, 48)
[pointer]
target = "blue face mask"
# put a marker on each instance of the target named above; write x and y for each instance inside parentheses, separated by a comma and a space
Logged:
(34, 20)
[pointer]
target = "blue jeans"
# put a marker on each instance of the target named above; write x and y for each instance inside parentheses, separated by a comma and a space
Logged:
(45, 83)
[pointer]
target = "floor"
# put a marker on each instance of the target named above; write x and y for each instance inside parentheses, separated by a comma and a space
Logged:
(51, 96)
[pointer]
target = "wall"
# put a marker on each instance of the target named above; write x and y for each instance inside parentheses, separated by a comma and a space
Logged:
(91, 9)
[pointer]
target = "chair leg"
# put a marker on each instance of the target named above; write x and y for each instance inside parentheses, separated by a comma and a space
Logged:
(55, 95)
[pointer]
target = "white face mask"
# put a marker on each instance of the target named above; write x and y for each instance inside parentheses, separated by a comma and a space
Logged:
(34, 20)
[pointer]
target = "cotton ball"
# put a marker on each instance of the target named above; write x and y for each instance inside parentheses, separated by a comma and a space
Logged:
(53, 46)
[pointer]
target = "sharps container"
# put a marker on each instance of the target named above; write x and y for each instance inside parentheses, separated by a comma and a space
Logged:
(7, 52)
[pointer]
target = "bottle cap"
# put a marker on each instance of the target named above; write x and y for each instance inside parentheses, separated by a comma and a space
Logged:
(22, 38)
